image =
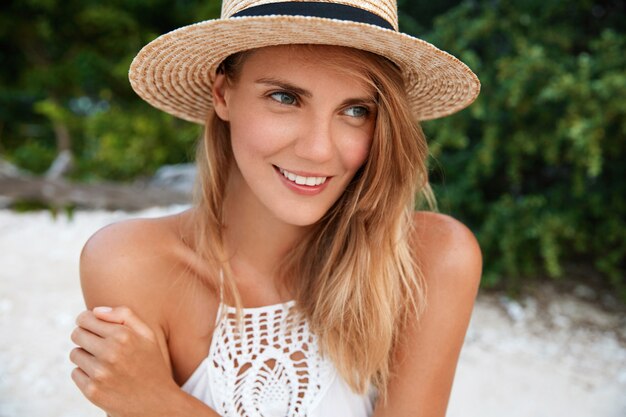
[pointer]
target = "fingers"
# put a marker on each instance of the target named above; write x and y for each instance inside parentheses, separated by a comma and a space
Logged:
(85, 361)
(90, 342)
(82, 381)
(80, 378)
(124, 315)
(89, 321)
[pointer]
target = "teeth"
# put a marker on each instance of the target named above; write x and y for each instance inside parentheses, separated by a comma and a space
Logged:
(300, 180)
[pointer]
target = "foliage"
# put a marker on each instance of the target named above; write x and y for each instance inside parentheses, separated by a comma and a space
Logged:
(63, 68)
(533, 167)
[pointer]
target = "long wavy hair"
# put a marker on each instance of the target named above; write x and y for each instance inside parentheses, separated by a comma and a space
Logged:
(354, 275)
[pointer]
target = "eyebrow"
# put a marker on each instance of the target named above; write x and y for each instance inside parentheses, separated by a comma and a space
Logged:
(285, 85)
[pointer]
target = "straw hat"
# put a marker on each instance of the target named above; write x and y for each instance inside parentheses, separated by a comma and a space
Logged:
(175, 71)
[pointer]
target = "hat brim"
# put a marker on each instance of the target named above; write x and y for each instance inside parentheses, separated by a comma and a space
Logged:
(175, 71)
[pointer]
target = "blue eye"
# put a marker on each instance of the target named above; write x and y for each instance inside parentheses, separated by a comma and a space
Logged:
(357, 111)
(284, 98)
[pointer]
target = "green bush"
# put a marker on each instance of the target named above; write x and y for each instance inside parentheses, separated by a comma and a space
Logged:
(65, 69)
(121, 144)
(535, 166)
(33, 156)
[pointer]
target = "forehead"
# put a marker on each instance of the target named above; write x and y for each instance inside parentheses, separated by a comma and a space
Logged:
(319, 60)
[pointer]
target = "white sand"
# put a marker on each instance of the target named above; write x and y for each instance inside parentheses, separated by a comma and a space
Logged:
(520, 359)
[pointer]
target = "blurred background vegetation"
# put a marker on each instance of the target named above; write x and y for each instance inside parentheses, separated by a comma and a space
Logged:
(535, 167)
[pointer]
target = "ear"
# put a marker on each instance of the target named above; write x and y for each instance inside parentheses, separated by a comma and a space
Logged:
(220, 97)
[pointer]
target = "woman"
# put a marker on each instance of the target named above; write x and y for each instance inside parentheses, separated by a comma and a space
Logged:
(301, 282)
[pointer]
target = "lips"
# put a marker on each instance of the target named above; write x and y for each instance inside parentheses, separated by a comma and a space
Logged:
(310, 181)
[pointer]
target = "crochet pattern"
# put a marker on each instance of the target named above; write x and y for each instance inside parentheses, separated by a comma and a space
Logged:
(273, 368)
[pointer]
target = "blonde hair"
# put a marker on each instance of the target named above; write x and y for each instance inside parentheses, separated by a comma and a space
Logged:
(354, 275)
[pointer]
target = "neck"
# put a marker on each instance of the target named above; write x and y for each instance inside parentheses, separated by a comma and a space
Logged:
(256, 241)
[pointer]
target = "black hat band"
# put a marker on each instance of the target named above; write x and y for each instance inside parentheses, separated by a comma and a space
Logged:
(317, 9)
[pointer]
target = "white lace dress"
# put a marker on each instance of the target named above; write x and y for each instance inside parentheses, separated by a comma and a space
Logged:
(272, 369)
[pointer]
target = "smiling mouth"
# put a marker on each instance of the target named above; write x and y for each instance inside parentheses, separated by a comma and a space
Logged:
(301, 180)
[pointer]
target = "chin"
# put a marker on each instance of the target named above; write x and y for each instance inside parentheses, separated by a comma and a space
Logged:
(300, 218)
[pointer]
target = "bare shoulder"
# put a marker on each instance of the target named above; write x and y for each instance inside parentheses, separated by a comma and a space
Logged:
(447, 250)
(118, 261)
(137, 263)
(150, 266)
(425, 361)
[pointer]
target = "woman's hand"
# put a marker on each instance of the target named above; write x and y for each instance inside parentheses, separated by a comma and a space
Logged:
(120, 367)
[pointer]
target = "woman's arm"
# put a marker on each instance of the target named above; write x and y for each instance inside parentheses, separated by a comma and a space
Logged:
(122, 358)
(121, 370)
(425, 361)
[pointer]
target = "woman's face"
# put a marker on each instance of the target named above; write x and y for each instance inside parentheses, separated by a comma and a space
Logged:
(300, 129)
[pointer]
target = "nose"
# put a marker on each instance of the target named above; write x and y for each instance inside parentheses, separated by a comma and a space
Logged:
(315, 140)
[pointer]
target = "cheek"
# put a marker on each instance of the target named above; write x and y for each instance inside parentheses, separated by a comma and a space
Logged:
(255, 135)
(256, 132)
(354, 153)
